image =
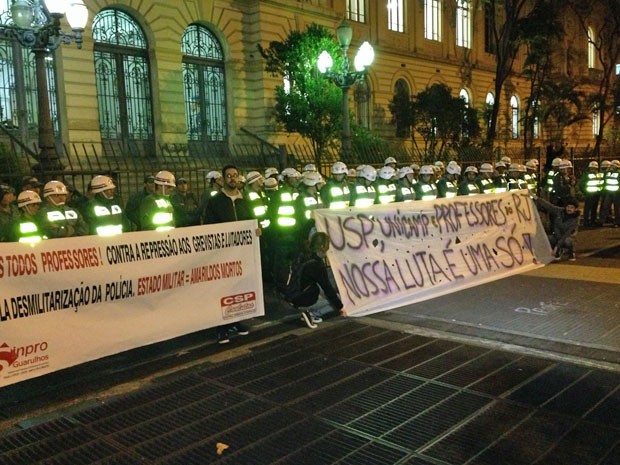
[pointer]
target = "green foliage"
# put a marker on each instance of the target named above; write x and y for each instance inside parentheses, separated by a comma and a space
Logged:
(311, 105)
(443, 120)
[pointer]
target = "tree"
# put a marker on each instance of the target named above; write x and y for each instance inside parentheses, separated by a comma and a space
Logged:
(602, 17)
(309, 105)
(442, 120)
(508, 22)
(540, 37)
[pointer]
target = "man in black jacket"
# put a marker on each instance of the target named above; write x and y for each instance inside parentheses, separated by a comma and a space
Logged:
(229, 205)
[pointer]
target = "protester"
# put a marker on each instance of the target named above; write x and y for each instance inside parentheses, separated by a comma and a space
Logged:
(229, 205)
(308, 278)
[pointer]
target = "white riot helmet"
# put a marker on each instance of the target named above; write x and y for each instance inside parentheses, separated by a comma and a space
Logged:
(165, 178)
(507, 161)
(387, 173)
(253, 176)
(486, 168)
(101, 183)
(513, 167)
(310, 167)
(55, 188)
(271, 171)
(439, 164)
(454, 169)
(427, 169)
(605, 164)
(500, 164)
(311, 178)
(389, 160)
(213, 175)
(415, 167)
(369, 173)
(339, 168)
(565, 164)
(352, 173)
(27, 198)
(556, 162)
(471, 169)
(404, 171)
(532, 164)
(534, 161)
(290, 173)
(593, 164)
(615, 163)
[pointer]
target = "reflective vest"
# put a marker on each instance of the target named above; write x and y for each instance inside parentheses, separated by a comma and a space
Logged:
(501, 184)
(405, 194)
(549, 182)
(469, 188)
(515, 184)
(426, 191)
(339, 195)
(311, 203)
(259, 207)
(56, 216)
(285, 214)
(29, 232)
(386, 193)
(610, 182)
(532, 182)
(594, 183)
(448, 187)
(364, 196)
(163, 218)
(487, 186)
(108, 220)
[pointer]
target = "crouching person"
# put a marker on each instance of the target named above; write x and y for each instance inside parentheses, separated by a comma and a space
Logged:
(309, 289)
(565, 222)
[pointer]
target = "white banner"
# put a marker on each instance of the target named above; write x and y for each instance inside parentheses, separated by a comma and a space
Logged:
(68, 301)
(387, 256)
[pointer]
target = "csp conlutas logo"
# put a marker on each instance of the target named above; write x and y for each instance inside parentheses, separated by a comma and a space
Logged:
(238, 305)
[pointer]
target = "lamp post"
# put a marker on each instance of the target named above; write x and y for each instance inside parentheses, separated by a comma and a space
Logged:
(344, 77)
(36, 25)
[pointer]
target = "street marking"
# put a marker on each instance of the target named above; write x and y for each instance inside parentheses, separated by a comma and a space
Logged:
(577, 273)
(543, 309)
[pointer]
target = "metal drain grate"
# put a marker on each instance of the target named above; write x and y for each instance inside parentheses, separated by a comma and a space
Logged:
(321, 399)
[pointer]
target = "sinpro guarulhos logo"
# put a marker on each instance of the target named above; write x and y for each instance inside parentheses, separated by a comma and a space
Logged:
(19, 357)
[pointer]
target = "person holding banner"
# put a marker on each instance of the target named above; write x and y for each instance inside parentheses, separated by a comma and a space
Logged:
(308, 278)
(229, 205)
(565, 226)
(55, 217)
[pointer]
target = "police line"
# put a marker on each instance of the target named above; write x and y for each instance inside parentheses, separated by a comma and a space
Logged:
(385, 257)
(68, 301)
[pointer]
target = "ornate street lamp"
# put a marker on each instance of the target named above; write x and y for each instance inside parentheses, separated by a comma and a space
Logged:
(36, 25)
(344, 78)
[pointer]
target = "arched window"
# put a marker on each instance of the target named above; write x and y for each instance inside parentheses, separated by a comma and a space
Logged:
(490, 102)
(514, 116)
(401, 104)
(123, 78)
(204, 84)
(362, 104)
(591, 49)
(18, 84)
